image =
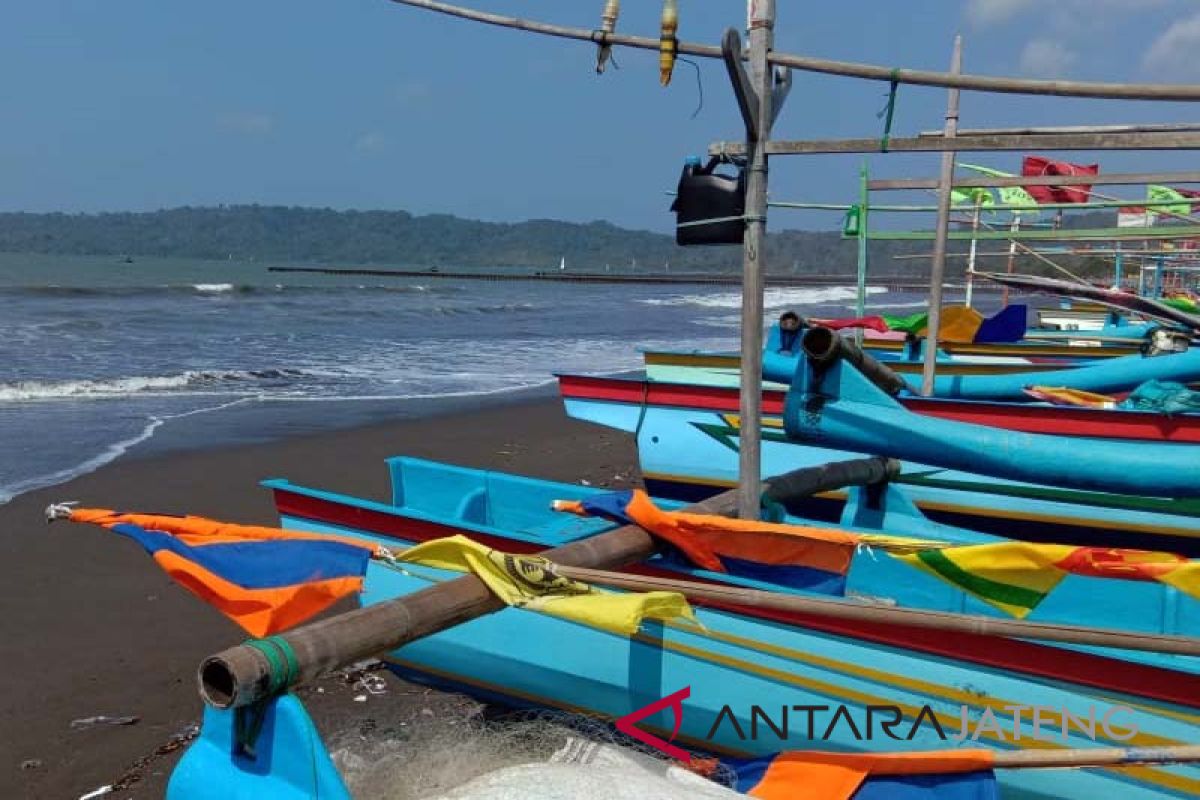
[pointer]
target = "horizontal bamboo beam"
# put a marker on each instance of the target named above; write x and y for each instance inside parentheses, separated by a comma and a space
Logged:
(1097, 757)
(243, 674)
(989, 182)
(1098, 252)
(1062, 234)
(945, 621)
(1136, 128)
(968, 143)
(846, 69)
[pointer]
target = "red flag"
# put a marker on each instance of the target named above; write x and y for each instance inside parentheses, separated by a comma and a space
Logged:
(1036, 165)
(1194, 195)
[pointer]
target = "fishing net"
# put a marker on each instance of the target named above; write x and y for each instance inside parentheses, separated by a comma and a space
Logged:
(411, 743)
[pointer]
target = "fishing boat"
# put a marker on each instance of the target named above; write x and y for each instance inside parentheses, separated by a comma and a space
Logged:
(1110, 298)
(965, 377)
(720, 670)
(431, 500)
(688, 440)
(737, 657)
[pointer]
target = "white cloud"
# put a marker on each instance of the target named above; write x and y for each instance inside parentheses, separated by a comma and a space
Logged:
(251, 123)
(1047, 58)
(370, 142)
(1172, 56)
(1064, 13)
(990, 12)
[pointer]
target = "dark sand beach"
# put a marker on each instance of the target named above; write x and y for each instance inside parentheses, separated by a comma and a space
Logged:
(92, 627)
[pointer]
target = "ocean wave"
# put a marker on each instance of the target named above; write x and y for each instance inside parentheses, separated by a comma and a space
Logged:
(27, 391)
(484, 308)
(215, 288)
(109, 454)
(773, 298)
(907, 304)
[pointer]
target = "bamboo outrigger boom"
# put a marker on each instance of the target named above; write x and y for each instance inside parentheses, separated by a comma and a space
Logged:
(244, 674)
(915, 618)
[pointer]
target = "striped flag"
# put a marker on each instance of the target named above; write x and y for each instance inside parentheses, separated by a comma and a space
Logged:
(1016, 577)
(264, 579)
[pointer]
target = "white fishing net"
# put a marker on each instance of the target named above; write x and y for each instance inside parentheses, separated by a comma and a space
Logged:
(409, 743)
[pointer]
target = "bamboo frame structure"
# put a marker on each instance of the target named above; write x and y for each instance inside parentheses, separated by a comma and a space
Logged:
(759, 103)
(1155, 92)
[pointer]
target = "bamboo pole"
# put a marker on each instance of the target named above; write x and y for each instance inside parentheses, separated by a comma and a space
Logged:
(243, 674)
(864, 200)
(938, 268)
(971, 254)
(909, 617)
(1170, 127)
(979, 144)
(1059, 235)
(990, 182)
(1089, 206)
(1014, 227)
(1097, 757)
(845, 69)
(761, 14)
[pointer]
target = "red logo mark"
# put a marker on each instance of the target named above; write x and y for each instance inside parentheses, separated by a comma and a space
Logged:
(675, 700)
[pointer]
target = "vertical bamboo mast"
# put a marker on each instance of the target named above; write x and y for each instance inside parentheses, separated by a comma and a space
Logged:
(937, 272)
(974, 249)
(864, 200)
(1012, 253)
(761, 15)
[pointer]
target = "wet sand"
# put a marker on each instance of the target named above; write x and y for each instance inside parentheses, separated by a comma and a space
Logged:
(91, 626)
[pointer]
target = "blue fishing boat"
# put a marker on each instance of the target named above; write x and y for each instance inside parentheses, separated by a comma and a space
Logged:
(688, 441)
(432, 499)
(737, 658)
(967, 377)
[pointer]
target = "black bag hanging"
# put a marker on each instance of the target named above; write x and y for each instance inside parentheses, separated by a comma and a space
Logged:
(704, 194)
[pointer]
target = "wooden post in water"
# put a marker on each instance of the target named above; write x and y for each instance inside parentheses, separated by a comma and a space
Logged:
(761, 16)
(937, 270)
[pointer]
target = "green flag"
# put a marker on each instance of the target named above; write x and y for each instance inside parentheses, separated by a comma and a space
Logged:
(972, 197)
(1009, 195)
(1167, 194)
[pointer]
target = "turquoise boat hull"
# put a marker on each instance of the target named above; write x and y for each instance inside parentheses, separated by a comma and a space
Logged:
(1111, 376)
(689, 452)
(733, 663)
(839, 407)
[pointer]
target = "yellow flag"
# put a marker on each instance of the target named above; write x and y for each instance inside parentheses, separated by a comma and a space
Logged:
(528, 582)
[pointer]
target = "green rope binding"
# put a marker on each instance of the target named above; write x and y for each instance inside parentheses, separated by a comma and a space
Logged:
(282, 659)
(889, 110)
(284, 668)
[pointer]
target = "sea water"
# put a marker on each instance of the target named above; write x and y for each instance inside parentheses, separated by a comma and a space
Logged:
(102, 357)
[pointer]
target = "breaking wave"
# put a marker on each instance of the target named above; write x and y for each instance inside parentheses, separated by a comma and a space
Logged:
(774, 298)
(211, 289)
(26, 391)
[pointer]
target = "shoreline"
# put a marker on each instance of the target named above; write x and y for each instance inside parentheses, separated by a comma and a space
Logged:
(250, 421)
(93, 627)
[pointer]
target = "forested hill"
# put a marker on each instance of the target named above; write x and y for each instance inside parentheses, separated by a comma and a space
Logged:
(324, 236)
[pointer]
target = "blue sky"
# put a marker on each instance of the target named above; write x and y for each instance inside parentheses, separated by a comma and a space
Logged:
(144, 104)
